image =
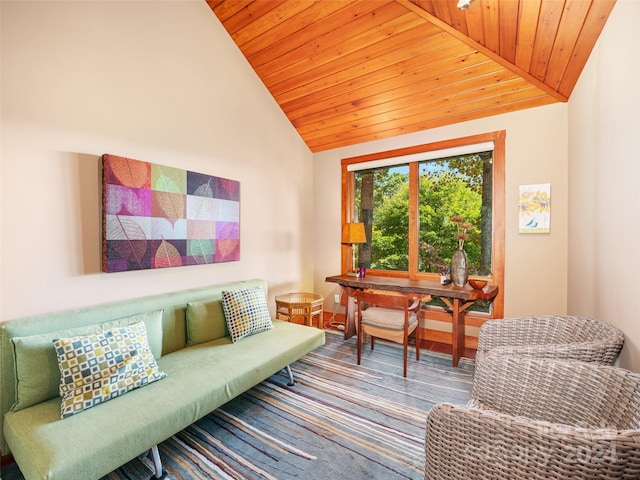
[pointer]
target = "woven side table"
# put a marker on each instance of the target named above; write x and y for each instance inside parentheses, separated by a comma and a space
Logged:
(305, 305)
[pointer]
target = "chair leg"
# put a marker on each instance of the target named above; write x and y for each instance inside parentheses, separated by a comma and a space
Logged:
(359, 337)
(418, 342)
(405, 348)
(372, 341)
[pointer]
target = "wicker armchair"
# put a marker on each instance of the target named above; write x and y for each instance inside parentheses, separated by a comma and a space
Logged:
(539, 418)
(551, 336)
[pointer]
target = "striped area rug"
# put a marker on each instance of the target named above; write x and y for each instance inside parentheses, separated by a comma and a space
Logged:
(339, 421)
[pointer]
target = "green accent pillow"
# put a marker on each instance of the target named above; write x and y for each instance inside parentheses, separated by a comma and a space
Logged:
(96, 368)
(36, 365)
(246, 312)
(205, 322)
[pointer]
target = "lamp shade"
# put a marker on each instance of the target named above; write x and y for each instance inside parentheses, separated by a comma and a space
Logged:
(353, 233)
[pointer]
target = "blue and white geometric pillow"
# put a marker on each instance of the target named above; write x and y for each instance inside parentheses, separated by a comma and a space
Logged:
(246, 312)
(98, 367)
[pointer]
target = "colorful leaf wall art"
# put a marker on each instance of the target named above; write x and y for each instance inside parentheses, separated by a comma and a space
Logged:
(155, 216)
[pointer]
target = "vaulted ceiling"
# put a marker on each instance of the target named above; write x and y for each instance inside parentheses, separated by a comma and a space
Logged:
(351, 71)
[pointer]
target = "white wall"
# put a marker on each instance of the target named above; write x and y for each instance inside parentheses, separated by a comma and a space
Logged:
(156, 81)
(604, 181)
(536, 152)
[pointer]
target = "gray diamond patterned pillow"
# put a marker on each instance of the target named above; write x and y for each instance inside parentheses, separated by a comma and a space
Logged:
(98, 367)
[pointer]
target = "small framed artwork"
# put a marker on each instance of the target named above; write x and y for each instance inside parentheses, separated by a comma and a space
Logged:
(155, 216)
(534, 206)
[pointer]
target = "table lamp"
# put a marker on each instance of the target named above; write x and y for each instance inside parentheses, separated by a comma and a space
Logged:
(353, 233)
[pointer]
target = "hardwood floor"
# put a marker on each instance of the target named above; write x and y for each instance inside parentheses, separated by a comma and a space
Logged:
(332, 321)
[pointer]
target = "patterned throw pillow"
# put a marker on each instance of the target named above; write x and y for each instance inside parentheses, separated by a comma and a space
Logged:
(246, 312)
(98, 367)
(36, 363)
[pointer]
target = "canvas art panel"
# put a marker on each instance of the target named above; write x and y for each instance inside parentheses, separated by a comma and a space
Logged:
(155, 216)
(534, 205)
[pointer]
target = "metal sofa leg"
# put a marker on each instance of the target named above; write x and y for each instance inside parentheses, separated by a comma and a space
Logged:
(290, 373)
(157, 463)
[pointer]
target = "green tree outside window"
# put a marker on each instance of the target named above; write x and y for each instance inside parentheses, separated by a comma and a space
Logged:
(450, 186)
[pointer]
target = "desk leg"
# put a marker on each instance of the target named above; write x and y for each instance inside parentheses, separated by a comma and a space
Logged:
(350, 314)
(458, 332)
(457, 340)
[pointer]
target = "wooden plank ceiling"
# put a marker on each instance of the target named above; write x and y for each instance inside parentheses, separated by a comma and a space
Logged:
(351, 71)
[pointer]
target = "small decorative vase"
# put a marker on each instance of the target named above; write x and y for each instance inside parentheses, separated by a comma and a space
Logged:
(459, 268)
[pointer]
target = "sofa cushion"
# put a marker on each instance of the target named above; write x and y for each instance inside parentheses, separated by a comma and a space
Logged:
(246, 312)
(95, 368)
(37, 371)
(205, 322)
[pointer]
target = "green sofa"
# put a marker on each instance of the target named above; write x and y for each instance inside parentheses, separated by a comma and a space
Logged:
(204, 369)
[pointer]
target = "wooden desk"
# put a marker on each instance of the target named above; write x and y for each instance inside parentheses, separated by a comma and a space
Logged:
(458, 299)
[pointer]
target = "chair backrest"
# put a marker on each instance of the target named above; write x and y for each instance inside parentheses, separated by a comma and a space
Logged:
(568, 392)
(545, 330)
(383, 298)
(551, 336)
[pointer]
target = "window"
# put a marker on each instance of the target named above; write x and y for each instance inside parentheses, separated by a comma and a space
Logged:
(406, 199)
(450, 187)
(381, 202)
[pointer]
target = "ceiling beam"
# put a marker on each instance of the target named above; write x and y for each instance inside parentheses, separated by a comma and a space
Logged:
(475, 45)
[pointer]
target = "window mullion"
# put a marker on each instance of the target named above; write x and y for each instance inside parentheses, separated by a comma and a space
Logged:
(414, 215)
(346, 217)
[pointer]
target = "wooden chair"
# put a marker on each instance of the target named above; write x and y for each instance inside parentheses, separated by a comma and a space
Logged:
(388, 316)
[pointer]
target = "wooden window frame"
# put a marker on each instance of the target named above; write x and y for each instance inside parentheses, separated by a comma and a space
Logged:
(497, 217)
